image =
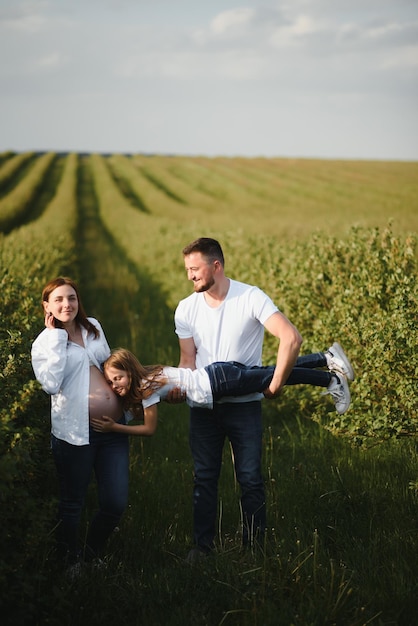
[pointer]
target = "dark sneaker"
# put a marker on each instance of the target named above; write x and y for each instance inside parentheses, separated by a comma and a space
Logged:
(195, 556)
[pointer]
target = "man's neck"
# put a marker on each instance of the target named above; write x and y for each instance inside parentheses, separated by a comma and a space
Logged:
(218, 292)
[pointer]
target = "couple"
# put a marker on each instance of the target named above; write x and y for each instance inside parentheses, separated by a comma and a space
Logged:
(211, 323)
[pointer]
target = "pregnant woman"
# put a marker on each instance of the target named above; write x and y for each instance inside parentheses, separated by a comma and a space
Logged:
(67, 359)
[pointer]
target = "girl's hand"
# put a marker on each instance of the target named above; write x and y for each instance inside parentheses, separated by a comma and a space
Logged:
(102, 424)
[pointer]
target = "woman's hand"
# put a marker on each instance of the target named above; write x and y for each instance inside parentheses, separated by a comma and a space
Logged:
(102, 424)
(49, 321)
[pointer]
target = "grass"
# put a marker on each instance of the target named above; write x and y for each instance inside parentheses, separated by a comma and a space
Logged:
(340, 548)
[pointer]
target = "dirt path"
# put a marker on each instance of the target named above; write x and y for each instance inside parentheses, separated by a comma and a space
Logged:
(130, 305)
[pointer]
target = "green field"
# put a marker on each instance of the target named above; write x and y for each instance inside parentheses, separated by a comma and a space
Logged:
(333, 243)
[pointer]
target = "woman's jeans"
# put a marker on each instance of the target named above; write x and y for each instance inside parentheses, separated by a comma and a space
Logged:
(107, 455)
(241, 423)
(234, 379)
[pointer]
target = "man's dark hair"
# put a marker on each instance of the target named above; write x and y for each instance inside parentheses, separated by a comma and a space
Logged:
(209, 248)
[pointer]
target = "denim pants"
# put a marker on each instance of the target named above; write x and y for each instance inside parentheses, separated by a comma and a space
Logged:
(234, 379)
(241, 423)
(107, 455)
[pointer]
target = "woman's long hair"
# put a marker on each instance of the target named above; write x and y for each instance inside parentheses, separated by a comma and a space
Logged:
(81, 317)
(144, 380)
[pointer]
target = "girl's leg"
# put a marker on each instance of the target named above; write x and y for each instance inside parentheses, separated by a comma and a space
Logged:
(317, 359)
(335, 359)
(234, 379)
(305, 376)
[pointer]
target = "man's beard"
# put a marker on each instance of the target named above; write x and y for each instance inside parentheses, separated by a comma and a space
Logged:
(207, 285)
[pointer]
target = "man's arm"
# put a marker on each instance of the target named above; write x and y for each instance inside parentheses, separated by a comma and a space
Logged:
(290, 342)
(187, 353)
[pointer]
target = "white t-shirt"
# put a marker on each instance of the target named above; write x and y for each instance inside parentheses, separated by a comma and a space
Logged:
(233, 331)
(195, 383)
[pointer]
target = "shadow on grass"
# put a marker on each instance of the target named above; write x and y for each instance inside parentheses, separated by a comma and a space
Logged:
(130, 305)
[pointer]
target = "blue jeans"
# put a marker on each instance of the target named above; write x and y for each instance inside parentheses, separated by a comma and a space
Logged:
(241, 423)
(234, 379)
(107, 455)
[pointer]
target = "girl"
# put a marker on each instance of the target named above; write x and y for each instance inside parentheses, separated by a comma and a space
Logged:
(142, 387)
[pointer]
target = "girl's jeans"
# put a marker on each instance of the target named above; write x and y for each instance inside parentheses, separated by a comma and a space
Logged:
(233, 379)
(107, 455)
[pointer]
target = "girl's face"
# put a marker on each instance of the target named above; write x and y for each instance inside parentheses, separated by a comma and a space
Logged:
(62, 304)
(119, 380)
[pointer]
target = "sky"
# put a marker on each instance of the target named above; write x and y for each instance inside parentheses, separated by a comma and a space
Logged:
(287, 78)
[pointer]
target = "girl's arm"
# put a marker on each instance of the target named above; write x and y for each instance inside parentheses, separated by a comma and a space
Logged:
(105, 424)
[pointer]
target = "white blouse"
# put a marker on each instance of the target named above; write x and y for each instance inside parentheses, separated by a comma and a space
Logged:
(63, 369)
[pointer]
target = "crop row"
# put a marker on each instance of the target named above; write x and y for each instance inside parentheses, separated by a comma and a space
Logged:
(16, 203)
(286, 197)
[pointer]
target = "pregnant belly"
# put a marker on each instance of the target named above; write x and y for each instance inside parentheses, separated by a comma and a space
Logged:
(102, 400)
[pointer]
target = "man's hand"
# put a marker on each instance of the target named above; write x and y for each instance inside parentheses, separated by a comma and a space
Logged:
(270, 395)
(176, 396)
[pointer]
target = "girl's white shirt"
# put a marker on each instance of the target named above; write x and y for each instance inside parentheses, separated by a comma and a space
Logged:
(63, 369)
(195, 383)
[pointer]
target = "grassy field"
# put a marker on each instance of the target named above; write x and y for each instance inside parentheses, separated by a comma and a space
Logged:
(342, 532)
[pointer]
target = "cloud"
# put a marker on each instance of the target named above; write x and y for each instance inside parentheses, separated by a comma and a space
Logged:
(232, 21)
(230, 63)
(241, 44)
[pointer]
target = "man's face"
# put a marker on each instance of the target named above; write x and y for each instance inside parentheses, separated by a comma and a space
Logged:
(200, 271)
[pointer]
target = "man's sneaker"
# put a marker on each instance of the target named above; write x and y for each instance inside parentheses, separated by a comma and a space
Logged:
(340, 393)
(195, 556)
(337, 361)
(73, 571)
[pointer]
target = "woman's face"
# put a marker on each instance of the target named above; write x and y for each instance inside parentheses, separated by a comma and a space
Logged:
(62, 304)
(118, 379)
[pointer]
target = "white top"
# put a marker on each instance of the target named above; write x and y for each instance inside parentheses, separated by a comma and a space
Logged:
(195, 383)
(233, 331)
(63, 369)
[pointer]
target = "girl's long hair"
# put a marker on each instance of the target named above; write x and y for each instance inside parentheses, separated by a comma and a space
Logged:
(144, 380)
(81, 317)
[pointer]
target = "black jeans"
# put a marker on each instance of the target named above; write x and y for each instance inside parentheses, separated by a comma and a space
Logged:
(234, 379)
(107, 455)
(241, 424)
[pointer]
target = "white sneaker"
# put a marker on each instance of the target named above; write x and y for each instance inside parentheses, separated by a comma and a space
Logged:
(340, 393)
(337, 361)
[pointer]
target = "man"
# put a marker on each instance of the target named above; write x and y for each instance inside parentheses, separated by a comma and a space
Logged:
(224, 320)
